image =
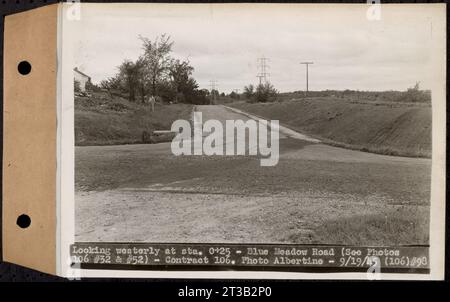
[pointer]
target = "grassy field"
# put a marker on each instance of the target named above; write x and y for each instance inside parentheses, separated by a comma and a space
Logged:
(100, 120)
(393, 128)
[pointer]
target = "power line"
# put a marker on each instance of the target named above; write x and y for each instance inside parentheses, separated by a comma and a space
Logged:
(307, 71)
(262, 70)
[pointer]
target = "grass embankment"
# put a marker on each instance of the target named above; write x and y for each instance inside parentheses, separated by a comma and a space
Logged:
(102, 120)
(403, 226)
(402, 129)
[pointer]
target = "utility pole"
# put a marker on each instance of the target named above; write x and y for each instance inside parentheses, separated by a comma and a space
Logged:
(307, 80)
(262, 70)
(213, 84)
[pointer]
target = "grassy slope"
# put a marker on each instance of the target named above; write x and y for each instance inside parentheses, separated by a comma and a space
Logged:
(394, 129)
(102, 121)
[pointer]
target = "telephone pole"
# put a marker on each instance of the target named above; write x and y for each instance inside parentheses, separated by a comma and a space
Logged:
(307, 80)
(262, 70)
(213, 84)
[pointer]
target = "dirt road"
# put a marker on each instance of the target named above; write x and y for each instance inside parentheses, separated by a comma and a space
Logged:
(315, 194)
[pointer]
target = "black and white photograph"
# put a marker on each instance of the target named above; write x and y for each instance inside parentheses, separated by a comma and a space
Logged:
(271, 126)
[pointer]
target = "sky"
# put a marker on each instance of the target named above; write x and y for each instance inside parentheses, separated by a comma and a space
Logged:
(223, 42)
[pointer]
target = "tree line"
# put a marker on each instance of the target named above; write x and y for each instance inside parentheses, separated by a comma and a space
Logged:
(413, 94)
(156, 73)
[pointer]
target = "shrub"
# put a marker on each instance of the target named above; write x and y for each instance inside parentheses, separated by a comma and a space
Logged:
(265, 93)
(76, 86)
(249, 91)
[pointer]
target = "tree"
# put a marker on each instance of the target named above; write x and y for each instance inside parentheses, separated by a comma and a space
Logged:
(234, 95)
(129, 78)
(183, 84)
(92, 87)
(265, 93)
(156, 59)
(415, 88)
(111, 84)
(156, 73)
(142, 78)
(215, 93)
(249, 91)
(201, 97)
(205, 92)
(414, 94)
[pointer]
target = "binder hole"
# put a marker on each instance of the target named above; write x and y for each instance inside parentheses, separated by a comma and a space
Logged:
(24, 68)
(23, 221)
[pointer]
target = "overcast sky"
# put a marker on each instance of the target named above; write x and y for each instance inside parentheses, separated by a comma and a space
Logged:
(222, 43)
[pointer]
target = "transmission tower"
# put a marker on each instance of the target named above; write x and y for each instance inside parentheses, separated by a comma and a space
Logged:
(213, 85)
(262, 70)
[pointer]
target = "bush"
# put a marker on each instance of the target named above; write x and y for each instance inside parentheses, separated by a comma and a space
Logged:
(249, 91)
(146, 137)
(200, 98)
(76, 86)
(265, 93)
(92, 87)
(414, 94)
(234, 95)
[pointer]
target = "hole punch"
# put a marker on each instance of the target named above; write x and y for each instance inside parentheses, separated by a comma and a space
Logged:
(23, 221)
(24, 68)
